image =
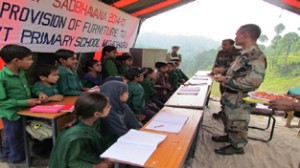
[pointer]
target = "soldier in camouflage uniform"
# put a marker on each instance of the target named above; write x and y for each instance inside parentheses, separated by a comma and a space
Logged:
(245, 74)
(224, 59)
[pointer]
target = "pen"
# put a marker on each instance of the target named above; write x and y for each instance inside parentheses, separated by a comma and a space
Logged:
(158, 126)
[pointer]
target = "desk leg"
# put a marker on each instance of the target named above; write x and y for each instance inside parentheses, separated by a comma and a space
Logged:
(54, 130)
(26, 143)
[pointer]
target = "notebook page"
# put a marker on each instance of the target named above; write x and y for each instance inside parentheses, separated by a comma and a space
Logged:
(129, 153)
(167, 122)
(142, 138)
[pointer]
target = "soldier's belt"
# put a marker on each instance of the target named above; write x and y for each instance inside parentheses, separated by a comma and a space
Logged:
(234, 91)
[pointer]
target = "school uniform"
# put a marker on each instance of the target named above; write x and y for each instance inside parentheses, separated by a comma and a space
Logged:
(160, 84)
(68, 83)
(48, 90)
(182, 78)
(14, 92)
(121, 118)
(78, 146)
(150, 93)
(122, 69)
(173, 80)
(89, 80)
(109, 68)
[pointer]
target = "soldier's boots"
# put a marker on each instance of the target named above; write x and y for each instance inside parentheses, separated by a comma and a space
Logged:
(223, 138)
(218, 115)
(229, 150)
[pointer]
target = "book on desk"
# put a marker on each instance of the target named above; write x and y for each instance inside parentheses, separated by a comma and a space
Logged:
(167, 122)
(52, 108)
(188, 90)
(135, 147)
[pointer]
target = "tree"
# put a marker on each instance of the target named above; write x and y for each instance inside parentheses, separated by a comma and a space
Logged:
(263, 38)
(279, 28)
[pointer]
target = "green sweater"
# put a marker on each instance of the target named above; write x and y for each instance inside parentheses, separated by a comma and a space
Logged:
(14, 92)
(136, 100)
(149, 89)
(48, 90)
(122, 69)
(181, 75)
(173, 80)
(77, 147)
(109, 68)
(68, 83)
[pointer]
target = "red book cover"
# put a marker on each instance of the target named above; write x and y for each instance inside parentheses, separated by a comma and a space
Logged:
(67, 108)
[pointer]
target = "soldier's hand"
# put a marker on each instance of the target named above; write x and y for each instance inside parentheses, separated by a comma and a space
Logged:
(219, 70)
(220, 79)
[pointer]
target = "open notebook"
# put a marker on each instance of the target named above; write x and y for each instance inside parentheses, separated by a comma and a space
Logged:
(188, 90)
(167, 122)
(134, 148)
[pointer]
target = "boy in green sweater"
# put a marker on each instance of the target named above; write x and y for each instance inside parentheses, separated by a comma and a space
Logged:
(109, 54)
(69, 83)
(15, 95)
(136, 100)
(173, 77)
(126, 61)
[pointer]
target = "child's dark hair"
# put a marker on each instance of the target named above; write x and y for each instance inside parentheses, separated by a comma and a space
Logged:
(89, 103)
(160, 64)
(126, 56)
(89, 64)
(148, 71)
(11, 51)
(107, 49)
(64, 54)
(43, 70)
(171, 63)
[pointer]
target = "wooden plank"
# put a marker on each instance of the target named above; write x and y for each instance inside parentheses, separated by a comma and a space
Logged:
(173, 151)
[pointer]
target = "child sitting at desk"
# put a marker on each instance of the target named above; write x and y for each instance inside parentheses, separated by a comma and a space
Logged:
(120, 119)
(81, 145)
(148, 85)
(109, 54)
(93, 75)
(172, 77)
(46, 77)
(69, 83)
(162, 85)
(126, 61)
(15, 95)
(136, 100)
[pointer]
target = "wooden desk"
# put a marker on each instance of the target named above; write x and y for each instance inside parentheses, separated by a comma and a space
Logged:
(172, 152)
(58, 120)
(189, 101)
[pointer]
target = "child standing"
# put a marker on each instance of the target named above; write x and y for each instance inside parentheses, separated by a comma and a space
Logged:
(93, 75)
(162, 85)
(109, 54)
(46, 77)
(15, 95)
(126, 61)
(69, 83)
(120, 119)
(136, 100)
(81, 145)
(172, 77)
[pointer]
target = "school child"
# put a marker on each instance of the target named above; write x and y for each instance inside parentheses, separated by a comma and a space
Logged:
(136, 100)
(126, 61)
(120, 119)
(162, 85)
(15, 95)
(182, 78)
(149, 88)
(109, 54)
(93, 75)
(81, 144)
(69, 83)
(172, 77)
(46, 76)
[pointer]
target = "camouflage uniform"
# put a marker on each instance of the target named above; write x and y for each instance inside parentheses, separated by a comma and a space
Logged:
(245, 74)
(224, 59)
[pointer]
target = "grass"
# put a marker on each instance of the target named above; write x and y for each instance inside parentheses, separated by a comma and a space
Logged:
(272, 83)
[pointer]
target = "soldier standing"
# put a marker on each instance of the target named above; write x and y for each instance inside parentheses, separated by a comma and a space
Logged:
(224, 59)
(245, 74)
